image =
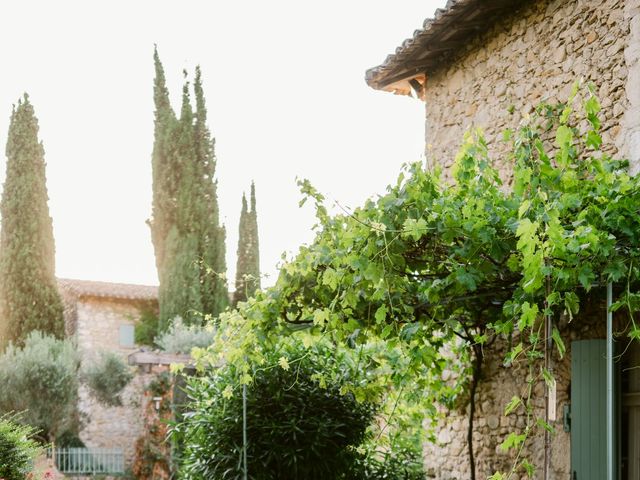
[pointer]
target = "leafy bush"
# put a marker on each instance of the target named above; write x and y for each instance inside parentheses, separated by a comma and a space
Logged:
(69, 439)
(300, 424)
(181, 338)
(391, 465)
(107, 377)
(147, 327)
(18, 449)
(41, 380)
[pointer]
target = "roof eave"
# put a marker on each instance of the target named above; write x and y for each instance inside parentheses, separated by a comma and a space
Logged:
(434, 45)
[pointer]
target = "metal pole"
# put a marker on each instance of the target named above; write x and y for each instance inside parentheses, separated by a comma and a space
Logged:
(548, 346)
(610, 417)
(244, 432)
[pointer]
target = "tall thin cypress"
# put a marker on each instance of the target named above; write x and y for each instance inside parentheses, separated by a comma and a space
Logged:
(162, 162)
(240, 293)
(188, 239)
(254, 250)
(29, 298)
(212, 235)
(248, 261)
(180, 287)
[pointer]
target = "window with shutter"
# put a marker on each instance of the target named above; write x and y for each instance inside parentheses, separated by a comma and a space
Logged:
(127, 336)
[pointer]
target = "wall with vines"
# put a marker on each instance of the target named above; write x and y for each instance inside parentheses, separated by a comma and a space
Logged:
(152, 450)
(532, 55)
(498, 385)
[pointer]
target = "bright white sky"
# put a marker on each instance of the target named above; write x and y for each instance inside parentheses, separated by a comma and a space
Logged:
(284, 84)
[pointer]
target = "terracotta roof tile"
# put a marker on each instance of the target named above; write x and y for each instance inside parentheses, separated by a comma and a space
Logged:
(89, 288)
(450, 28)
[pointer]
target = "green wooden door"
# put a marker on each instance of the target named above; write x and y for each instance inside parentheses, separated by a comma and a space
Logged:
(588, 410)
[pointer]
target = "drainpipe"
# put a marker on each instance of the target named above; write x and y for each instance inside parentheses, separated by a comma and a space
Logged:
(244, 432)
(610, 416)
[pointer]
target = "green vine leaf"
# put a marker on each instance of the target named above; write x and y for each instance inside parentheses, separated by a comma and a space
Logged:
(528, 468)
(541, 423)
(528, 317)
(381, 314)
(414, 228)
(513, 440)
(557, 339)
(571, 304)
(514, 403)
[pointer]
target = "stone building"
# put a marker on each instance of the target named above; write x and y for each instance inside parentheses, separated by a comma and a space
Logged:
(101, 317)
(487, 63)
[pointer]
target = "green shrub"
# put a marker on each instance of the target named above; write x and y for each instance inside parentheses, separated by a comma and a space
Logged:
(392, 465)
(181, 338)
(41, 380)
(18, 449)
(69, 439)
(107, 377)
(300, 425)
(147, 327)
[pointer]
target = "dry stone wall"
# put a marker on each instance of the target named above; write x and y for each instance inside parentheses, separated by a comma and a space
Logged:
(533, 55)
(98, 322)
(448, 457)
(629, 140)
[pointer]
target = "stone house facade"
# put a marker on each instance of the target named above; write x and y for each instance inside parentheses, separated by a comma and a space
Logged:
(101, 317)
(487, 63)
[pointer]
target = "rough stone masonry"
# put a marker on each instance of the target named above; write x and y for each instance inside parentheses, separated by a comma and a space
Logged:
(533, 54)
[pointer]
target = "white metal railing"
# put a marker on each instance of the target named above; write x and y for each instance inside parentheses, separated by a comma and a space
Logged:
(89, 461)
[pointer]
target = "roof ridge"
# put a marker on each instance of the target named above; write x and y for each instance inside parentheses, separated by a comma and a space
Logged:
(97, 288)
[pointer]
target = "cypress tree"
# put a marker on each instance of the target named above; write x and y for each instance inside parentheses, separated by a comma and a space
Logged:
(240, 294)
(29, 298)
(188, 239)
(254, 250)
(212, 235)
(248, 262)
(162, 163)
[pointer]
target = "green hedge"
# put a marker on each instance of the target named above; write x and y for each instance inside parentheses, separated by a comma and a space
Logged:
(296, 428)
(17, 449)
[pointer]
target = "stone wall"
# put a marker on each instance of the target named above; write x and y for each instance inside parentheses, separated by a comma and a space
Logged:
(629, 140)
(448, 457)
(98, 322)
(534, 55)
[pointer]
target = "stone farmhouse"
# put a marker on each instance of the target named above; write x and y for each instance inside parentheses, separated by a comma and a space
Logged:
(101, 317)
(487, 63)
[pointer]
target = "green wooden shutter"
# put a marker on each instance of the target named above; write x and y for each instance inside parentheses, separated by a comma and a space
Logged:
(588, 410)
(126, 336)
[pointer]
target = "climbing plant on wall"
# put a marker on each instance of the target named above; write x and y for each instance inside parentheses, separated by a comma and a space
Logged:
(153, 452)
(433, 268)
